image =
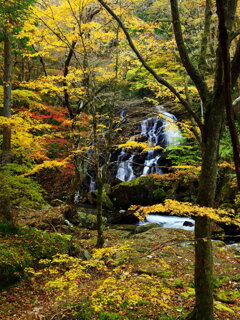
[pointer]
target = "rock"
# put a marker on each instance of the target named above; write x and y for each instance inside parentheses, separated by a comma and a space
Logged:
(133, 228)
(56, 203)
(70, 213)
(122, 217)
(148, 270)
(145, 227)
(106, 201)
(188, 224)
(69, 224)
(89, 221)
(125, 227)
(147, 190)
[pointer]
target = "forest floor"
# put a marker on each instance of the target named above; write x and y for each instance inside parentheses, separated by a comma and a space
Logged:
(165, 254)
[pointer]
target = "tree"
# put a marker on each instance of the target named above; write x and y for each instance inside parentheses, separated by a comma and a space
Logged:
(11, 13)
(213, 102)
(78, 45)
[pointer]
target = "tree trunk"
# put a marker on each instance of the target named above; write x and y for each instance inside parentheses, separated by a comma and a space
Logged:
(100, 238)
(224, 42)
(206, 197)
(7, 85)
(7, 88)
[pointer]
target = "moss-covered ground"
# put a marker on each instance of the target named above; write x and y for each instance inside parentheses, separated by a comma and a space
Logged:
(30, 299)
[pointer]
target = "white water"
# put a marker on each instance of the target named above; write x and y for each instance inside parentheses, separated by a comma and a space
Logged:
(159, 131)
(125, 169)
(172, 133)
(92, 184)
(170, 221)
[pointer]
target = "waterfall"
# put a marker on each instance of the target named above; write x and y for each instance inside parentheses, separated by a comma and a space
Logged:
(172, 133)
(92, 184)
(159, 130)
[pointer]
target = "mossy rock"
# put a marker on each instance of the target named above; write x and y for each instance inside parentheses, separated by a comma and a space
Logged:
(89, 221)
(147, 190)
(106, 201)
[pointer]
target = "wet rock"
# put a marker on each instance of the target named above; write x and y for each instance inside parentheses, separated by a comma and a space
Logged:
(122, 217)
(188, 224)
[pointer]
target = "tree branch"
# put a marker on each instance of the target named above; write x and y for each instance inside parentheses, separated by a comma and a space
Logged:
(235, 65)
(196, 77)
(149, 69)
(204, 41)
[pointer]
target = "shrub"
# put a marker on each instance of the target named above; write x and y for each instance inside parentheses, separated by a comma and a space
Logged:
(24, 248)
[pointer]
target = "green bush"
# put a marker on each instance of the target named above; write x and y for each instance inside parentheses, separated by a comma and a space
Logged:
(19, 191)
(25, 248)
(21, 98)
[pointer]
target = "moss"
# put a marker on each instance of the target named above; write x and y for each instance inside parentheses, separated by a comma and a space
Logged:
(138, 181)
(106, 201)
(88, 220)
(24, 248)
(147, 190)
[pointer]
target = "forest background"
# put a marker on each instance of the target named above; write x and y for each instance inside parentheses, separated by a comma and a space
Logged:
(68, 67)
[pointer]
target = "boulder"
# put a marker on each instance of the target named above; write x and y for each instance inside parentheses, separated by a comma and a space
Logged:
(106, 201)
(122, 217)
(89, 221)
(188, 224)
(147, 190)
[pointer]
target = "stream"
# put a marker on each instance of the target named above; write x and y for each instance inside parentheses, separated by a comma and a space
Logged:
(173, 222)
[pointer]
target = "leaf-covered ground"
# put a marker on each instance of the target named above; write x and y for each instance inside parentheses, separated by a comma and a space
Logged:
(165, 254)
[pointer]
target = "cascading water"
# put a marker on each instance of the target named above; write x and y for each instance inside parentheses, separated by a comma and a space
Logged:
(125, 168)
(92, 184)
(160, 131)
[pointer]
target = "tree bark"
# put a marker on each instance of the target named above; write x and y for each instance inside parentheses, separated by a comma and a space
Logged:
(194, 74)
(100, 238)
(7, 87)
(203, 225)
(204, 41)
(66, 103)
(224, 42)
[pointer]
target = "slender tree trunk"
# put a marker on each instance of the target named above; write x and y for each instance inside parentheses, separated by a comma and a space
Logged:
(66, 103)
(100, 238)
(7, 85)
(6, 145)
